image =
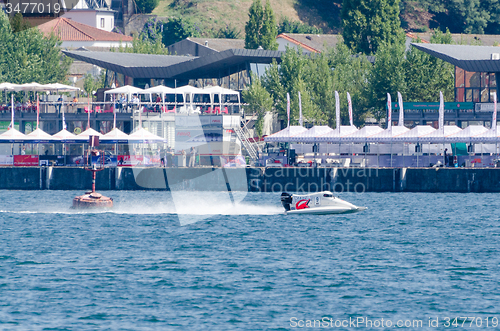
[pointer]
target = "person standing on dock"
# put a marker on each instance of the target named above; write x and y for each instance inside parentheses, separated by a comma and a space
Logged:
(192, 157)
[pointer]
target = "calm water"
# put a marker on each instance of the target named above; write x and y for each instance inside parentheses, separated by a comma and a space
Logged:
(408, 257)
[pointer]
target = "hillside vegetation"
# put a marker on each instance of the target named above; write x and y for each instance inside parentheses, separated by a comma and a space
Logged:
(472, 16)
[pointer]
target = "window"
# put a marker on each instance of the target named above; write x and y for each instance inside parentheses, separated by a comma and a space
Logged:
(102, 23)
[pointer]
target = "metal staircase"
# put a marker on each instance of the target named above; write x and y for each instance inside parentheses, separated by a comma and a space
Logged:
(242, 135)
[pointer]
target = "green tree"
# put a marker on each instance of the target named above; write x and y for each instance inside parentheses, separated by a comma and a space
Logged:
(426, 75)
(28, 56)
(269, 30)
(369, 23)
(146, 6)
(149, 41)
(91, 84)
(177, 29)
(387, 76)
(289, 26)
(254, 25)
(229, 32)
(259, 102)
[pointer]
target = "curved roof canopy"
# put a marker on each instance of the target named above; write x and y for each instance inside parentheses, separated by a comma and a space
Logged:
(469, 58)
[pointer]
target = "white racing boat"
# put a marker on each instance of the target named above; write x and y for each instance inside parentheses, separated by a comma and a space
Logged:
(320, 203)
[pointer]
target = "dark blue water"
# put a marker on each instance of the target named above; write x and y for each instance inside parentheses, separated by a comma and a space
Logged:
(408, 257)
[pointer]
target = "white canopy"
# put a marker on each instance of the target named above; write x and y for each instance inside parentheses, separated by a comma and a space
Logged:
(490, 136)
(143, 136)
(362, 134)
(39, 135)
(8, 86)
(127, 89)
(160, 89)
(466, 134)
(286, 134)
(60, 87)
(30, 87)
(11, 136)
(114, 136)
(219, 90)
(388, 134)
(84, 136)
(335, 135)
(311, 135)
(438, 136)
(64, 135)
(414, 134)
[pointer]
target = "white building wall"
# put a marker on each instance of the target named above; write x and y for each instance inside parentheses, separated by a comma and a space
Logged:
(104, 44)
(92, 18)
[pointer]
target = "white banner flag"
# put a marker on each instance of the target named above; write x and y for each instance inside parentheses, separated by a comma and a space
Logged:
(493, 122)
(337, 110)
(441, 112)
(288, 108)
(300, 110)
(389, 111)
(401, 113)
(349, 103)
(12, 115)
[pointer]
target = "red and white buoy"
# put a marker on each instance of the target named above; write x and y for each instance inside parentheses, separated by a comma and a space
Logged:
(92, 199)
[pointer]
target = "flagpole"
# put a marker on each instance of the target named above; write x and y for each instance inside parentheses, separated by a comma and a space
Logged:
(401, 114)
(88, 112)
(288, 108)
(114, 111)
(12, 106)
(37, 110)
(300, 111)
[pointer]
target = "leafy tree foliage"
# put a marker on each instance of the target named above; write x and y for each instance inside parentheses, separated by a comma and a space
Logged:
(289, 26)
(259, 102)
(261, 28)
(254, 25)
(229, 32)
(369, 23)
(177, 29)
(149, 41)
(146, 6)
(28, 56)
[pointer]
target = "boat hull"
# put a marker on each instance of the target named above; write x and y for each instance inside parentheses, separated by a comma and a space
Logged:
(325, 211)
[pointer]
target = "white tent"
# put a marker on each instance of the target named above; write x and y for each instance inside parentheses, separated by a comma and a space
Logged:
(362, 134)
(114, 136)
(220, 91)
(286, 134)
(127, 89)
(64, 135)
(438, 136)
(144, 136)
(466, 134)
(40, 136)
(413, 136)
(310, 136)
(490, 136)
(388, 135)
(84, 136)
(335, 135)
(11, 136)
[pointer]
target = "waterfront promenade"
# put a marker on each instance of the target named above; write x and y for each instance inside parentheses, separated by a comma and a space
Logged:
(339, 180)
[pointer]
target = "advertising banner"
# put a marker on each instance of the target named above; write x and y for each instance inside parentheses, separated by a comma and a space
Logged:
(52, 160)
(130, 160)
(75, 160)
(109, 161)
(26, 160)
(6, 160)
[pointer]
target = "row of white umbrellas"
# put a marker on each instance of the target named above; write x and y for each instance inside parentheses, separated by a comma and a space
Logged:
(38, 87)
(141, 135)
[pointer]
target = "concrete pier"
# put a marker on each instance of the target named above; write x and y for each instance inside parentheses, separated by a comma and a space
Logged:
(256, 179)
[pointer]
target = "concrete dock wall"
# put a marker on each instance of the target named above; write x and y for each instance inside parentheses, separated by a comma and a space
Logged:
(256, 179)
